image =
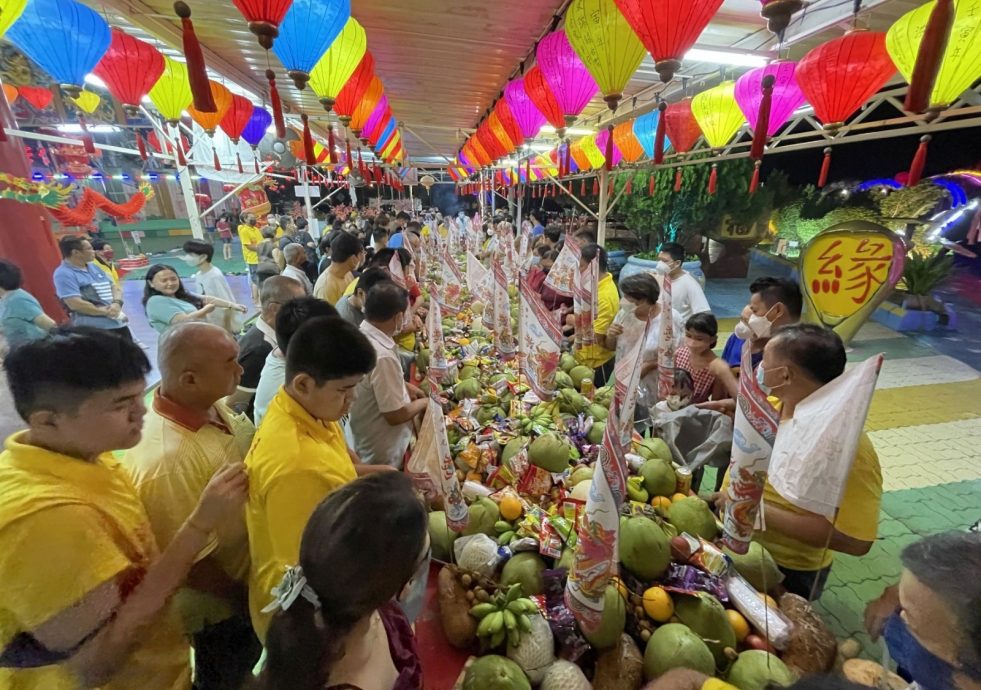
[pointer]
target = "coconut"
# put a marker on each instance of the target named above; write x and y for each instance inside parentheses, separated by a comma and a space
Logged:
(651, 448)
(612, 621)
(580, 474)
(563, 380)
(756, 669)
(580, 491)
(659, 477)
(705, 616)
(469, 372)
(579, 374)
(757, 566)
(513, 447)
(441, 537)
(645, 548)
(487, 413)
(597, 412)
(571, 401)
(466, 388)
(484, 513)
(565, 675)
(550, 453)
(536, 650)
(494, 672)
(675, 646)
(568, 362)
(692, 515)
(596, 431)
(526, 569)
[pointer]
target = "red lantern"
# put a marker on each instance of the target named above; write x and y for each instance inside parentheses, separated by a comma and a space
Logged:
(491, 145)
(668, 28)
(129, 68)
(837, 77)
(154, 140)
(541, 95)
(508, 122)
(355, 88)
(38, 96)
(264, 17)
(681, 126)
(236, 117)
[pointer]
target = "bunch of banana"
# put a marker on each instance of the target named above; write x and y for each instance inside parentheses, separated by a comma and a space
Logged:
(538, 421)
(506, 532)
(636, 490)
(505, 616)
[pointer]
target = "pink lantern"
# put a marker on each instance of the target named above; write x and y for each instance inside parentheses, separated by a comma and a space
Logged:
(377, 117)
(529, 117)
(787, 96)
(572, 84)
(603, 144)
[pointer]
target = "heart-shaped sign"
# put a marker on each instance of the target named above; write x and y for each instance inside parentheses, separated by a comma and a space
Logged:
(847, 270)
(38, 96)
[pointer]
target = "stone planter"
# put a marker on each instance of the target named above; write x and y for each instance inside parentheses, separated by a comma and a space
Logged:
(616, 260)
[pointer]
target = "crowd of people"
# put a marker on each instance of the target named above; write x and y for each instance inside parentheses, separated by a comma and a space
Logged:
(254, 500)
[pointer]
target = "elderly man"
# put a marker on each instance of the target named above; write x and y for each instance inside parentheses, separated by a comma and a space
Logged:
(189, 434)
(296, 259)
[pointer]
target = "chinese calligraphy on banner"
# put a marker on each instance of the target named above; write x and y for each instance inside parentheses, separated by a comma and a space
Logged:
(847, 271)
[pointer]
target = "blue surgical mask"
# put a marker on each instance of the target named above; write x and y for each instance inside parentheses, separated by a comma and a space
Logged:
(413, 595)
(928, 670)
(760, 373)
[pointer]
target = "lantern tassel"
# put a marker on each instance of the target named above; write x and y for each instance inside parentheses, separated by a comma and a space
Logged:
(825, 169)
(677, 180)
(919, 162)
(763, 119)
(755, 181)
(350, 158)
(238, 158)
(141, 145)
(197, 72)
(629, 187)
(3, 132)
(308, 150)
(609, 148)
(930, 56)
(713, 179)
(595, 186)
(609, 189)
(582, 187)
(256, 161)
(331, 142)
(87, 141)
(181, 159)
(650, 185)
(662, 124)
(214, 158)
(277, 105)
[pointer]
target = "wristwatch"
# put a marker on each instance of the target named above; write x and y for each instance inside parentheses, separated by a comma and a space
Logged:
(118, 301)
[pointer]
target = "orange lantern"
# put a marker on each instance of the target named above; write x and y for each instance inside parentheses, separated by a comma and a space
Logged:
(625, 140)
(366, 106)
(223, 101)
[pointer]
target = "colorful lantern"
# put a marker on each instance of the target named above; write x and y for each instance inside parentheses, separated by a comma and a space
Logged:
(10, 12)
(171, 94)
(601, 36)
(578, 154)
(332, 71)
(682, 128)
(383, 130)
(10, 93)
(236, 117)
(787, 96)
(38, 96)
(645, 130)
(354, 89)
(87, 101)
(264, 17)
(566, 74)
(64, 37)
(541, 95)
(961, 62)
(223, 100)
(528, 117)
(717, 113)
(305, 34)
(626, 142)
(129, 69)
(501, 134)
(604, 145)
(380, 116)
(778, 13)
(366, 105)
(668, 28)
(510, 124)
(255, 130)
(494, 148)
(837, 77)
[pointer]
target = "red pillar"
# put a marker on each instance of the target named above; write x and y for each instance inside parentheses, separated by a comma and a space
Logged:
(25, 229)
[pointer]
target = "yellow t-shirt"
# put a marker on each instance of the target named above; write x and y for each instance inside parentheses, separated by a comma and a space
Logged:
(249, 234)
(68, 529)
(858, 516)
(331, 288)
(178, 455)
(351, 287)
(294, 463)
(608, 304)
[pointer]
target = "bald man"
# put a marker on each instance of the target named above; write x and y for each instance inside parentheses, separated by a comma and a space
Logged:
(189, 433)
(296, 258)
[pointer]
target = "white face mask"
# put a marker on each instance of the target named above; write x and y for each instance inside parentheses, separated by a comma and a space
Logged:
(760, 326)
(662, 268)
(193, 259)
(743, 331)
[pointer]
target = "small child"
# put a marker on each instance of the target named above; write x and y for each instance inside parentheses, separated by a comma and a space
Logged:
(682, 390)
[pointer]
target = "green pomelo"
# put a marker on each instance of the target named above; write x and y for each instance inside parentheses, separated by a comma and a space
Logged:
(487, 413)
(495, 672)
(597, 412)
(526, 569)
(756, 669)
(563, 380)
(568, 362)
(757, 566)
(469, 372)
(579, 373)
(655, 448)
(483, 514)
(422, 360)
(550, 453)
(705, 616)
(441, 536)
(581, 474)
(596, 431)
(675, 646)
(613, 620)
(659, 477)
(645, 548)
(513, 447)
(693, 515)
(466, 388)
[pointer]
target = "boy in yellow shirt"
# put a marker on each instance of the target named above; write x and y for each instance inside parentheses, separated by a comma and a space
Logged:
(86, 593)
(608, 304)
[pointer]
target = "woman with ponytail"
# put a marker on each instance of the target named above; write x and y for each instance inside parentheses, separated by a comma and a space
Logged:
(337, 622)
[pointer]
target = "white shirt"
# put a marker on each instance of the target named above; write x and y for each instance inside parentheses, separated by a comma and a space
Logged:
(213, 284)
(654, 339)
(687, 297)
(299, 276)
(271, 379)
(375, 440)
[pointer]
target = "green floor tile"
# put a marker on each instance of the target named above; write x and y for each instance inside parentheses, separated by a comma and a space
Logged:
(893, 348)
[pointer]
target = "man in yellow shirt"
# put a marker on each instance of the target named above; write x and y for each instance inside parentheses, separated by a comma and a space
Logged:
(86, 593)
(189, 434)
(299, 454)
(346, 254)
(251, 237)
(608, 304)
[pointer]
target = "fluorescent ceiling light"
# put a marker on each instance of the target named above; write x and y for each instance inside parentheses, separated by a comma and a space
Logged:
(93, 80)
(725, 57)
(541, 147)
(572, 131)
(77, 129)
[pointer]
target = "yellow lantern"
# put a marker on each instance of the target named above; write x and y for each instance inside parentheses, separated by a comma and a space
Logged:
(172, 93)
(543, 163)
(961, 65)
(336, 66)
(718, 114)
(88, 101)
(607, 45)
(592, 152)
(10, 11)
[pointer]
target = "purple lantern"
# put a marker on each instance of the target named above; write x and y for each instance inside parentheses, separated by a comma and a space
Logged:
(377, 117)
(787, 96)
(257, 125)
(529, 117)
(602, 139)
(565, 73)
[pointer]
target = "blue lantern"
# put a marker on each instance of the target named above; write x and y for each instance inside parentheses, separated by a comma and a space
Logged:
(645, 129)
(255, 128)
(305, 34)
(64, 37)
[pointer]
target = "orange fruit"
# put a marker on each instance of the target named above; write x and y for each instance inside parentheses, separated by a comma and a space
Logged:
(678, 497)
(661, 502)
(738, 623)
(658, 604)
(511, 508)
(770, 601)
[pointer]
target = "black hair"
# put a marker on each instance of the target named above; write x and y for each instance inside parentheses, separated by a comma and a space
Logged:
(384, 301)
(641, 286)
(594, 251)
(381, 220)
(586, 234)
(10, 275)
(815, 349)
(553, 233)
(70, 243)
(948, 564)
(402, 215)
(182, 293)
(301, 223)
(674, 250)
(344, 246)
(704, 322)
(295, 313)
(328, 348)
(538, 216)
(542, 251)
(379, 234)
(383, 257)
(773, 290)
(683, 379)
(405, 256)
(413, 226)
(200, 247)
(56, 373)
(99, 244)
(371, 277)
(375, 519)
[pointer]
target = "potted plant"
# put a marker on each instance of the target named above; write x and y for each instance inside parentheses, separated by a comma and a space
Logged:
(922, 275)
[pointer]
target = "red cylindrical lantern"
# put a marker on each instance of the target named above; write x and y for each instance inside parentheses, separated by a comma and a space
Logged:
(264, 17)
(129, 69)
(681, 126)
(355, 88)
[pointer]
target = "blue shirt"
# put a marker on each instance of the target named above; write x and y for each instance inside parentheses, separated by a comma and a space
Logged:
(161, 310)
(396, 241)
(18, 309)
(733, 352)
(538, 230)
(93, 285)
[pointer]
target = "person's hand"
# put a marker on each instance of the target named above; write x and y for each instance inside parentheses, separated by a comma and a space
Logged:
(415, 392)
(239, 307)
(114, 310)
(726, 407)
(206, 309)
(223, 497)
(416, 324)
(719, 499)
(878, 611)
(615, 330)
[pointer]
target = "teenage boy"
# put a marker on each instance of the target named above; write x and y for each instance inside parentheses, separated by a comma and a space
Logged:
(212, 282)
(346, 253)
(350, 307)
(251, 237)
(687, 297)
(86, 596)
(597, 357)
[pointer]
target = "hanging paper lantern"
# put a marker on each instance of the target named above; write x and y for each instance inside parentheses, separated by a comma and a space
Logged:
(264, 17)
(510, 124)
(541, 95)
(682, 127)
(787, 96)
(717, 113)
(528, 117)
(10, 93)
(778, 13)
(305, 34)
(380, 116)
(384, 131)
(154, 139)
(566, 74)
(668, 28)
(366, 105)
(626, 142)
(645, 129)
(354, 89)
(578, 153)
(961, 62)
(38, 96)
(838, 77)
(336, 66)
(492, 146)
(129, 69)
(497, 129)
(236, 117)
(87, 101)
(223, 100)
(602, 142)
(64, 37)
(255, 128)
(10, 12)
(171, 94)
(601, 36)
